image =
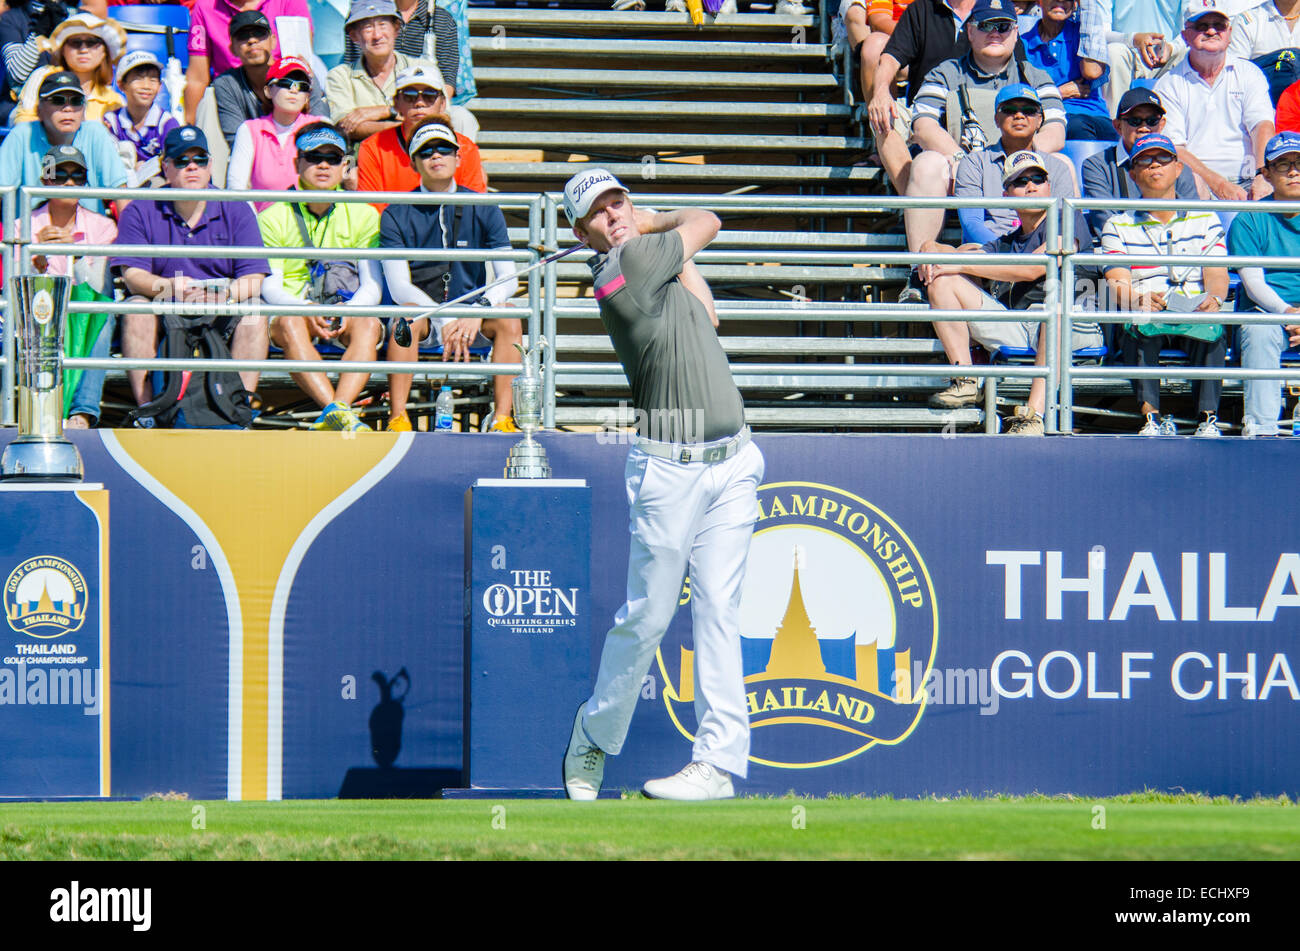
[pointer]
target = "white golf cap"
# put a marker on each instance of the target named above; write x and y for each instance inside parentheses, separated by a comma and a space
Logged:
(431, 132)
(419, 73)
(1195, 9)
(134, 60)
(582, 190)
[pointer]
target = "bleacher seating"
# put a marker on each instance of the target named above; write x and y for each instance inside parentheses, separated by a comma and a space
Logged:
(146, 29)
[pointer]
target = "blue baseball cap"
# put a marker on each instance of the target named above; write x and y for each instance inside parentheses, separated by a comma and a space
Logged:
(1281, 144)
(320, 134)
(182, 139)
(1016, 91)
(1153, 140)
(986, 10)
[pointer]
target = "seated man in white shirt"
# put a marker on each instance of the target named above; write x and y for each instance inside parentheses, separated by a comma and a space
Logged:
(1217, 108)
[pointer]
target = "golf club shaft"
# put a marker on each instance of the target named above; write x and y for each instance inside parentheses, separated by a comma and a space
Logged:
(501, 280)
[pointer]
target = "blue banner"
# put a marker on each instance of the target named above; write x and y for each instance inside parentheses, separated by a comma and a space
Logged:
(54, 672)
(921, 614)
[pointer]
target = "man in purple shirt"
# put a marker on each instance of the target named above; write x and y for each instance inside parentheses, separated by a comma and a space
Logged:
(203, 281)
(211, 52)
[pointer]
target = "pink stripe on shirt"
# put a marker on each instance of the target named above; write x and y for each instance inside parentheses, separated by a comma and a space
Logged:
(610, 287)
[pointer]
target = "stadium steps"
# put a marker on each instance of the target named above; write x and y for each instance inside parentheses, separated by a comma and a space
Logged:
(643, 110)
(548, 47)
(559, 87)
(747, 104)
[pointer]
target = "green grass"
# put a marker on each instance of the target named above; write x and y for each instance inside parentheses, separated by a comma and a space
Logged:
(1143, 826)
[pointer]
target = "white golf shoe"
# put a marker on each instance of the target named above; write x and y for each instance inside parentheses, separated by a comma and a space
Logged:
(584, 764)
(698, 781)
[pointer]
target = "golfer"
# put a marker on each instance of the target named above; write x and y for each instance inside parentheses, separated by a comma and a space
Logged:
(691, 477)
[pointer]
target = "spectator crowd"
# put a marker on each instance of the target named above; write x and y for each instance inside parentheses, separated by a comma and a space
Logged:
(1175, 99)
(256, 108)
(1164, 99)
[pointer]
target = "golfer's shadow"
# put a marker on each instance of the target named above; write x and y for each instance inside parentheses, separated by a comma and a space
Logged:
(388, 781)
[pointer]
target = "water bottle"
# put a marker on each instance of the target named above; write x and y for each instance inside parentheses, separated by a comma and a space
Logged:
(442, 411)
(1295, 420)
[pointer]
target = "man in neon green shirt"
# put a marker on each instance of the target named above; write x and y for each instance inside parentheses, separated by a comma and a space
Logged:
(333, 284)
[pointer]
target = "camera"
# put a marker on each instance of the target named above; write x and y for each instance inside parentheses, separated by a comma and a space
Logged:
(46, 15)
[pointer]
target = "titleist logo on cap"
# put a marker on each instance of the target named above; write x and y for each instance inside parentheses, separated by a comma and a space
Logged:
(585, 186)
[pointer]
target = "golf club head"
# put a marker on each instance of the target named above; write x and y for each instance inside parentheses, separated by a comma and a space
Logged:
(402, 332)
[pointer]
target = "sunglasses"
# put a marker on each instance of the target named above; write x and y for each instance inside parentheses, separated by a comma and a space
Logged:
(84, 42)
(322, 157)
(252, 35)
(412, 96)
(77, 102)
(1149, 159)
(198, 161)
(1001, 27)
(1035, 178)
(1142, 122)
(61, 176)
(428, 151)
(293, 85)
(1011, 109)
(1205, 25)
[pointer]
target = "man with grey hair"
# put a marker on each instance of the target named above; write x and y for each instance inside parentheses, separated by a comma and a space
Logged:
(361, 95)
(692, 483)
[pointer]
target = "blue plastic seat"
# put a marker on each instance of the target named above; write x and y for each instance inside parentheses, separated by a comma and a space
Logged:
(1079, 151)
(1027, 354)
(171, 15)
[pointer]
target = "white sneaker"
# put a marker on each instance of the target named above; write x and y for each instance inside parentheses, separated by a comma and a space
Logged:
(674, 6)
(584, 764)
(790, 8)
(1168, 427)
(1209, 427)
(1151, 427)
(727, 9)
(1249, 428)
(629, 4)
(698, 781)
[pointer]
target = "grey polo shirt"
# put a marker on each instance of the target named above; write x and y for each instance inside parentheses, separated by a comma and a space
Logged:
(948, 76)
(668, 346)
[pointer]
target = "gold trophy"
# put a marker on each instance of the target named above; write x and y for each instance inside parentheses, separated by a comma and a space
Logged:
(527, 459)
(41, 453)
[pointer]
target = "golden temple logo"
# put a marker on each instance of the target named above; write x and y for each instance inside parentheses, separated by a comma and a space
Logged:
(837, 614)
(45, 597)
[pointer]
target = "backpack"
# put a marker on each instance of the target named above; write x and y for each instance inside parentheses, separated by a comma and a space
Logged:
(207, 399)
(1281, 68)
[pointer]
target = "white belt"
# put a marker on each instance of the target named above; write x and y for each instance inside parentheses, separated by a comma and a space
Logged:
(711, 452)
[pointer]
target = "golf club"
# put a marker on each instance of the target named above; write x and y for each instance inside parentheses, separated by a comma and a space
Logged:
(402, 326)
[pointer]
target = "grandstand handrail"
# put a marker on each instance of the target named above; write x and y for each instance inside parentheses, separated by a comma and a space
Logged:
(19, 249)
(862, 205)
(544, 229)
(1072, 259)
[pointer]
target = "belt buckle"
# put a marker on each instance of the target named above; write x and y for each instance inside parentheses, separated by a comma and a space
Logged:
(685, 456)
(715, 453)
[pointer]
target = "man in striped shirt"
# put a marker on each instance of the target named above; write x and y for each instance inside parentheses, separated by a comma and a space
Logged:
(1168, 290)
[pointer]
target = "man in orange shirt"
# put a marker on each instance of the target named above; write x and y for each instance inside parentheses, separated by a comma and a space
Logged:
(383, 164)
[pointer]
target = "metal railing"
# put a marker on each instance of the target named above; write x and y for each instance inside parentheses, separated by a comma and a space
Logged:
(547, 231)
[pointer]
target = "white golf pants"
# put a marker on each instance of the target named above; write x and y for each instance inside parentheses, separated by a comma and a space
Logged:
(683, 515)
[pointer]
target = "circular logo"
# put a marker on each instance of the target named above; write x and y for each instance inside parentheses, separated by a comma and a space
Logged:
(839, 630)
(45, 597)
(42, 307)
